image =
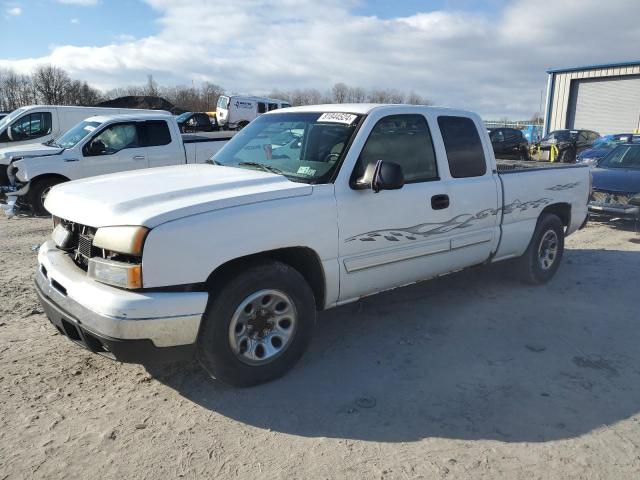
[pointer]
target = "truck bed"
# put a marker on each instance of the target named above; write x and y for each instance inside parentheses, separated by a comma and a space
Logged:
(512, 166)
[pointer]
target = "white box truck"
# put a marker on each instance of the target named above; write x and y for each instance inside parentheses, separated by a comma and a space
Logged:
(236, 111)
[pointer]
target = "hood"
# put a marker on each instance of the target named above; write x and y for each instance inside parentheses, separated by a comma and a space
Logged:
(616, 179)
(158, 195)
(594, 152)
(28, 150)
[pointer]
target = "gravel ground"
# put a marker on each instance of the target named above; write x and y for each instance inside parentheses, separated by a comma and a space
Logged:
(471, 375)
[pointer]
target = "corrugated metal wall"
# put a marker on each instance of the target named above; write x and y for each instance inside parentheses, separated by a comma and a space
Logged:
(561, 92)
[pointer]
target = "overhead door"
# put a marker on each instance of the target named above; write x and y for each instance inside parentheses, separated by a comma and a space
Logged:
(606, 105)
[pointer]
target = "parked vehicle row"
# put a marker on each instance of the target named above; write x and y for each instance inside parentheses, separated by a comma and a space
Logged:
(97, 146)
(306, 209)
(41, 123)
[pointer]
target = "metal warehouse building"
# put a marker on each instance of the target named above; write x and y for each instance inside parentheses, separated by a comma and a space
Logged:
(604, 98)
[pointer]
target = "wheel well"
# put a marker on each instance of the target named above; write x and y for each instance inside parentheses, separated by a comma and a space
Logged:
(49, 176)
(303, 259)
(561, 210)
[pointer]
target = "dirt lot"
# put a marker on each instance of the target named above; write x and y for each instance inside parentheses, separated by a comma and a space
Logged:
(471, 375)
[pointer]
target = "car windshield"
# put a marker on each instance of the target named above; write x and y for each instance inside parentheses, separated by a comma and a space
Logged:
(11, 117)
(71, 137)
(611, 141)
(183, 116)
(305, 147)
(623, 156)
(561, 135)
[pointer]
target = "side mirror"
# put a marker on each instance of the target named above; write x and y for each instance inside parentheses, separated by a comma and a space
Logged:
(381, 176)
(97, 147)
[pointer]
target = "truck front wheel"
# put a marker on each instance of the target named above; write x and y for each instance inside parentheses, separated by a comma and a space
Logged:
(257, 326)
(542, 258)
(38, 193)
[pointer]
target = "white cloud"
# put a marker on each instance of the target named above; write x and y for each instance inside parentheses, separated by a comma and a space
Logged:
(82, 3)
(74, 21)
(491, 64)
(13, 12)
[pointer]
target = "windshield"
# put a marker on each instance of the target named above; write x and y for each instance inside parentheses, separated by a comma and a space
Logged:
(611, 141)
(183, 116)
(11, 117)
(561, 135)
(304, 147)
(623, 156)
(71, 137)
(223, 101)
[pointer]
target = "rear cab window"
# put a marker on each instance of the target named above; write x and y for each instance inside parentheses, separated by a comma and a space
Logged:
(154, 133)
(465, 153)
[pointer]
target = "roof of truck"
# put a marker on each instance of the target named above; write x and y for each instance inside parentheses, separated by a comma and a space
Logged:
(366, 108)
(132, 116)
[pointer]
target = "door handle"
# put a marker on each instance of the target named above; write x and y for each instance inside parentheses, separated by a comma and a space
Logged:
(440, 202)
(139, 157)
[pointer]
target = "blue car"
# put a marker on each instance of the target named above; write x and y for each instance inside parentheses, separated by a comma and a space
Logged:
(602, 146)
(616, 184)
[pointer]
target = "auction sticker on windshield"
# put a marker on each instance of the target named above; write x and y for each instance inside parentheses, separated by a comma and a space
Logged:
(336, 117)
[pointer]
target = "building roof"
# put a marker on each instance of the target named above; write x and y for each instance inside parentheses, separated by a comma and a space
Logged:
(593, 67)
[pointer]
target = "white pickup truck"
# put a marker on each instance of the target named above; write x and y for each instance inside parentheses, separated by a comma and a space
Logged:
(96, 146)
(304, 209)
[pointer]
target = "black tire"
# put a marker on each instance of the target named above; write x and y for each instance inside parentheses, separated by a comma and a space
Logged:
(567, 156)
(524, 154)
(214, 350)
(38, 192)
(241, 125)
(529, 265)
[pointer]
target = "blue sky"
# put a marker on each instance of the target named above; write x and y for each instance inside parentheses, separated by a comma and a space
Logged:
(484, 55)
(50, 22)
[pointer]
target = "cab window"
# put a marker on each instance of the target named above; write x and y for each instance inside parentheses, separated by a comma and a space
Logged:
(463, 146)
(31, 126)
(113, 139)
(262, 107)
(405, 140)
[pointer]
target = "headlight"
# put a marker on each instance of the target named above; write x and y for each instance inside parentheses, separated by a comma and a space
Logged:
(127, 240)
(119, 274)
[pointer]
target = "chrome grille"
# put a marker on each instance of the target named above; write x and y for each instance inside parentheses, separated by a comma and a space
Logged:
(81, 247)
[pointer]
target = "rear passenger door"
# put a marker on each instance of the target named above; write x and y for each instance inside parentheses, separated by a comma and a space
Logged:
(473, 190)
(160, 149)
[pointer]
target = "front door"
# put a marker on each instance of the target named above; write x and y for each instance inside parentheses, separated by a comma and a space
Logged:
(116, 148)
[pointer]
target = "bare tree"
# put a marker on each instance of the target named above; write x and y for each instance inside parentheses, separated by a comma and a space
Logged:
(51, 84)
(340, 93)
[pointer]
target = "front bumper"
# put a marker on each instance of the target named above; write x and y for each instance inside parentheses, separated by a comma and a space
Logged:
(128, 326)
(613, 210)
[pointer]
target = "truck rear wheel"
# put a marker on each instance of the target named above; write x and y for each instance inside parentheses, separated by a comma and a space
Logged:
(241, 125)
(257, 326)
(541, 260)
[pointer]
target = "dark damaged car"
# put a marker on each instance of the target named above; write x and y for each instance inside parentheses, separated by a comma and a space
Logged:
(602, 146)
(616, 184)
(569, 143)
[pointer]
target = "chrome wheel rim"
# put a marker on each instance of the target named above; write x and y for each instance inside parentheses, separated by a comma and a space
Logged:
(43, 195)
(548, 250)
(262, 327)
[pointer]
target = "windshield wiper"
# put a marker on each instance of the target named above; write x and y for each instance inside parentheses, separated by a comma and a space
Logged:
(263, 166)
(51, 143)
